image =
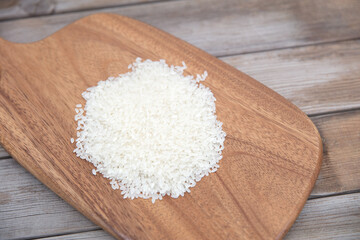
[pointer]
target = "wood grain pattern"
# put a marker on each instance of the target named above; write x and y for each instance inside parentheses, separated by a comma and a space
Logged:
(317, 79)
(31, 201)
(92, 235)
(223, 27)
(320, 219)
(340, 172)
(271, 159)
(29, 209)
(12, 9)
(328, 218)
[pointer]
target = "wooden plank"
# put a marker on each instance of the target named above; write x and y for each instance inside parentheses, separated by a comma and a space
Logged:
(317, 79)
(340, 170)
(3, 153)
(11, 9)
(53, 216)
(326, 218)
(223, 27)
(29, 209)
(92, 235)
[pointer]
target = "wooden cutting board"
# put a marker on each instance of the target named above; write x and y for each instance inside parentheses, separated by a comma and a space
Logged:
(272, 150)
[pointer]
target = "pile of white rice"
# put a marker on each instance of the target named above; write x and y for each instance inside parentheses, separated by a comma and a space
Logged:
(151, 131)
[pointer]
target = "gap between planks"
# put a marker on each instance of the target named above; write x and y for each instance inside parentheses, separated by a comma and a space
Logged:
(23, 9)
(218, 27)
(334, 194)
(290, 47)
(341, 156)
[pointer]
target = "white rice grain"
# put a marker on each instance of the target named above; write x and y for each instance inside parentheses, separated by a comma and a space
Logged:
(152, 131)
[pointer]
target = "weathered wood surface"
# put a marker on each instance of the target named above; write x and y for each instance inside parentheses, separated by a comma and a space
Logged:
(335, 217)
(336, 160)
(3, 153)
(267, 154)
(223, 27)
(330, 67)
(28, 209)
(325, 218)
(317, 79)
(91, 235)
(12, 9)
(340, 172)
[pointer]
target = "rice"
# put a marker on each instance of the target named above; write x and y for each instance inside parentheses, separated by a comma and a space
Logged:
(152, 131)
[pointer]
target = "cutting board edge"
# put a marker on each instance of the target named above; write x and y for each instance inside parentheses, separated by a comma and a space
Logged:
(12, 151)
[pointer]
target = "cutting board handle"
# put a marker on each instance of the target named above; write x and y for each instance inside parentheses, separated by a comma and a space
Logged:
(5, 43)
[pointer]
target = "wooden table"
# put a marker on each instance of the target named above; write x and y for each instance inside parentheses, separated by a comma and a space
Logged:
(308, 51)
